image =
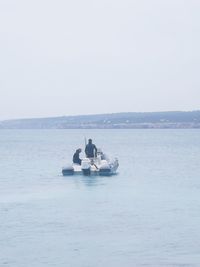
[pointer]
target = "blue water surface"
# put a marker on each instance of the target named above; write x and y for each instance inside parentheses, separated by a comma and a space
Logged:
(146, 215)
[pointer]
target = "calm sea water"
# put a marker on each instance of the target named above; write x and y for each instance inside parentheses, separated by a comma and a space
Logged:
(147, 215)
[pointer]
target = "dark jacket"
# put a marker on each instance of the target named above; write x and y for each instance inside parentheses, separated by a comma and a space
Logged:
(89, 150)
(76, 158)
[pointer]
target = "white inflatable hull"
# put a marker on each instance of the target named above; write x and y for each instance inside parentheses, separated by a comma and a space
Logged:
(92, 167)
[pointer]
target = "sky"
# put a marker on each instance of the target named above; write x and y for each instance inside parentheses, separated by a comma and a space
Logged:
(87, 57)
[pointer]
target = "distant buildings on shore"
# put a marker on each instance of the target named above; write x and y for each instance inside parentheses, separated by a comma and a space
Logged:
(132, 120)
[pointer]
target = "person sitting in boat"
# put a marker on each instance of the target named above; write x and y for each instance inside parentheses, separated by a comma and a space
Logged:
(76, 158)
(101, 154)
(90, 149)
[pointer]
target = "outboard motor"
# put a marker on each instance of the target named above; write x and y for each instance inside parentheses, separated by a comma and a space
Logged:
(68, 170)
(105, 170)
(109, 168)
(86, 166)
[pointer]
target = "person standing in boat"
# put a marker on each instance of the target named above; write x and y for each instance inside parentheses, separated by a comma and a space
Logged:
(90, 149)
(76, 157)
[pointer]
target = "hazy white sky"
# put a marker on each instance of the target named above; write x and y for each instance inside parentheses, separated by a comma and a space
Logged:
(81, 57)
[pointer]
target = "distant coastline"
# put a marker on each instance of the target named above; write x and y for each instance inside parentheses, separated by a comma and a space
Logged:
(130, 120)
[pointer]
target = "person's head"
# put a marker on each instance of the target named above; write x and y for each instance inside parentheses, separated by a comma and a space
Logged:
(90, 141)
(78, 150)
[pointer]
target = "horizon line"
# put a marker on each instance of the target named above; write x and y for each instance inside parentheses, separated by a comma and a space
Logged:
(95, 114)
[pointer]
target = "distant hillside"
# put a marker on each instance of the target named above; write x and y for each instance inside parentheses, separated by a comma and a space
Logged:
(132, 120)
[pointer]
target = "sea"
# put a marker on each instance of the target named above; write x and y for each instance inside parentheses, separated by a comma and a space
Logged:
(148, 214)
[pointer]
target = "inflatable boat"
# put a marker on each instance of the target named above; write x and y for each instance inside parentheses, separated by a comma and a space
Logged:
(99, 165)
